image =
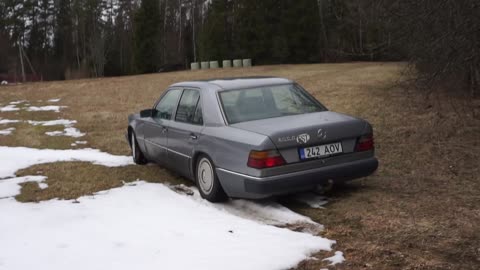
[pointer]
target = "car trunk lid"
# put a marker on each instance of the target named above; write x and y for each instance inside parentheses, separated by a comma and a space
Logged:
(295, 131)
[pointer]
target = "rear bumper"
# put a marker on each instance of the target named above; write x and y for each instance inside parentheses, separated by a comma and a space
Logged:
(245, 186)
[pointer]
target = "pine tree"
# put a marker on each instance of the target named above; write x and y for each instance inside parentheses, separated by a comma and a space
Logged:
(147, 37)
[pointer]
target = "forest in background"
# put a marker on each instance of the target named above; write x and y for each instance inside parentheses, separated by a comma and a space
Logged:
(67, 39)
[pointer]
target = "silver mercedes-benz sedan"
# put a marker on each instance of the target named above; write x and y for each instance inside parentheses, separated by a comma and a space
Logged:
(251, 138)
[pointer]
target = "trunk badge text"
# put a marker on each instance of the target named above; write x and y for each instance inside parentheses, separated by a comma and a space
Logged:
(304, 138)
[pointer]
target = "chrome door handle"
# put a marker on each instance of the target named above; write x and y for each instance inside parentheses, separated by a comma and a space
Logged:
(193, 136)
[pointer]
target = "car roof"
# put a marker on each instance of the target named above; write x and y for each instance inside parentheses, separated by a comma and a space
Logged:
(233, 83)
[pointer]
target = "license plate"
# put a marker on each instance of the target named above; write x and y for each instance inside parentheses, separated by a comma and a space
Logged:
(320, 150)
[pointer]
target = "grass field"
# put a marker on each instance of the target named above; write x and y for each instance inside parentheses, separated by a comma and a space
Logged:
(421, 210)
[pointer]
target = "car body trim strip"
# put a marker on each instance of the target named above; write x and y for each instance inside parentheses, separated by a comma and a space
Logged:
(168, 149)
(239, 174)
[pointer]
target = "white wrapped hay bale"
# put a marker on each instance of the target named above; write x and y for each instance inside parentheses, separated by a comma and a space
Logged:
(195, 65)
(205, 65)
(227, 63)
(213, 64)
(247, 62)
(237, 63)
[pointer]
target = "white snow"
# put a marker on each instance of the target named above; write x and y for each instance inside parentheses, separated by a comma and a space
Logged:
(335, 259)
(11, 187)
(7, 131)
(268, 211)
(16, 158)
(17, 102)
(311, 199)
(54, 100)
(8, 121)
(81, 142)
(4, 83)
(69, 131)
(45, 108)
(63, 122)
(9, 108)
(143, 226)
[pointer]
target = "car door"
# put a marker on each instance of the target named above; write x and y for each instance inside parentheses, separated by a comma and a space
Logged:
(185, 131)
(156, 126)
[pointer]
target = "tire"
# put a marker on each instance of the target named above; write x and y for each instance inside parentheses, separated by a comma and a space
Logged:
(137, 154)
(207, 181)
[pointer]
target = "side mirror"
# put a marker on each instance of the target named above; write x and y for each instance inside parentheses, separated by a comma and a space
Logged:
(146, 113)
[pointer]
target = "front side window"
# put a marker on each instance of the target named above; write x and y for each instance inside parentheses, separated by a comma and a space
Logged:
(267, 102)
(167, 104)
(188, 107)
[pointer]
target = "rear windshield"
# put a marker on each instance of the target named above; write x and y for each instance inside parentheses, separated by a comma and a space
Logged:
(267, 102)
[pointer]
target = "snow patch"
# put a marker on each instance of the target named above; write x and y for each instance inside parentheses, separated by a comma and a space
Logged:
(7, 131)
(45, 108)
(8, 121)
(54, 100)
(11, 187)
(311, 199)
(144, 226)
(18, 102)
(63, 122)
(335, 259)
(266, 211)
(9, 108)
(69, 131)
(13, 159)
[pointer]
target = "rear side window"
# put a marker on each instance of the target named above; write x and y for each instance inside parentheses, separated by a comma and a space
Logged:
(167, 104)
(189, 110)
(267, 102)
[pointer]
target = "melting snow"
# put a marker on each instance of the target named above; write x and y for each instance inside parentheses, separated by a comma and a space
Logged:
(311, 199)
(63, 122)
(7, 131)
(17, 102)
(143, 226)
(69, 131)
(336, 259)
(54, 100)
(13, 159)
(266, 211)
(7, 121)
(9, 108)
(11, 186)
(45, 108)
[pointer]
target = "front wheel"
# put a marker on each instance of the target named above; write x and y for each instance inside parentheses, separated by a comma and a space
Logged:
(207, 181)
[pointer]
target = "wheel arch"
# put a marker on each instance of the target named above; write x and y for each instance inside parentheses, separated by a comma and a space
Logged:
(129, 133)
(193, 165)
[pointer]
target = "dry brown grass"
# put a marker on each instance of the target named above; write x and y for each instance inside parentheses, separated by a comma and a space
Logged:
(419, 211)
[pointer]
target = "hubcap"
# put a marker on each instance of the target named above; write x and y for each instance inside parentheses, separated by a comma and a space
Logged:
(205, 175)
(133, 146)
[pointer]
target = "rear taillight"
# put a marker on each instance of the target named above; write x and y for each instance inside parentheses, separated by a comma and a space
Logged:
(265, 159)
(364, 143)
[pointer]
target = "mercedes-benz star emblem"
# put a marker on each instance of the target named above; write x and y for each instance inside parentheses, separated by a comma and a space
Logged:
(322, 134)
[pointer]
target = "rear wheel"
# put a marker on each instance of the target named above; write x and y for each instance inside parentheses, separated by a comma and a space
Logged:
(207, 181)
(137, 154)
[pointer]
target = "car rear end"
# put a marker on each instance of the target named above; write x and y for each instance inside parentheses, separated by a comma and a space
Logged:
(306, 150)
